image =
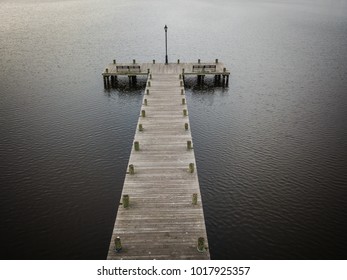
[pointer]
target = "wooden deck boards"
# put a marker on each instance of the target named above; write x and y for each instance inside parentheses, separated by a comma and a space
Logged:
(161, 221)
(171, 68)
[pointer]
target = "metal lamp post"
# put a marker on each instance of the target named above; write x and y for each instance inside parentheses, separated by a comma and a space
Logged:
(166, 59)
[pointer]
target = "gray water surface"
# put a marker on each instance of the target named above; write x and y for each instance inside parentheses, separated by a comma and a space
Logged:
(271, 148)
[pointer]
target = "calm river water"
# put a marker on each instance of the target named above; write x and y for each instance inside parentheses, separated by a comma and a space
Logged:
(271, 149)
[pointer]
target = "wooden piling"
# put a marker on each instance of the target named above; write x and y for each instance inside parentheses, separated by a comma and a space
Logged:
(191, 167)
(189, 145)
(118, 245)
(125, 200)
(201, 245)
(131, 169)
(195, 199)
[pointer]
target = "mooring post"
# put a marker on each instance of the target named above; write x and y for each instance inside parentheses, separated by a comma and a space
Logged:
(189, 144)
(143, 113)
(147, 91)
(149, 83)
(153, 61)
(199, 61)
(131, 169)
(182, 71)
(191, 167)
(118, 244)
(182, 92)
(145, 102)
(140, 127)
(137, 146)
(114, 61)
(150, 76)
(216, 60)
(134, 61)
(148, 70)
(181, 83)
(186, 126)
(195, 199)
(178, 61)
(185, 112)
(183, 101)
(201, 244)
(125, 200)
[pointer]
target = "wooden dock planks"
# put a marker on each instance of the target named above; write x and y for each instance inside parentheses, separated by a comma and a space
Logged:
(161, 222)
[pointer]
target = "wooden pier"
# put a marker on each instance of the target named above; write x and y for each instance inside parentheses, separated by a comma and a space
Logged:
(160, 215)
(198, 69)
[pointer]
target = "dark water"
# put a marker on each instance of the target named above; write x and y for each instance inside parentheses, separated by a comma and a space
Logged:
(271, 149)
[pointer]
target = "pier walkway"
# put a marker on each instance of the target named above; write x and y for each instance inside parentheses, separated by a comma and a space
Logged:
(160, 215)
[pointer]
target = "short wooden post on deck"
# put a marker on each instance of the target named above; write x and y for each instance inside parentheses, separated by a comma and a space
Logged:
(201, 245)
(125, 200)
(137, 146)
(183, 101)
(186, 126)
(140, 127)
(118, 244)
(131, 169)
(191, 167)
(185, 112)
(195, 199)
(189, 144)
(143, 113)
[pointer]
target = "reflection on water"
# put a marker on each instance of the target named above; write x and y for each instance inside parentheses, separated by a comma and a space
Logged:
(271, 149)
